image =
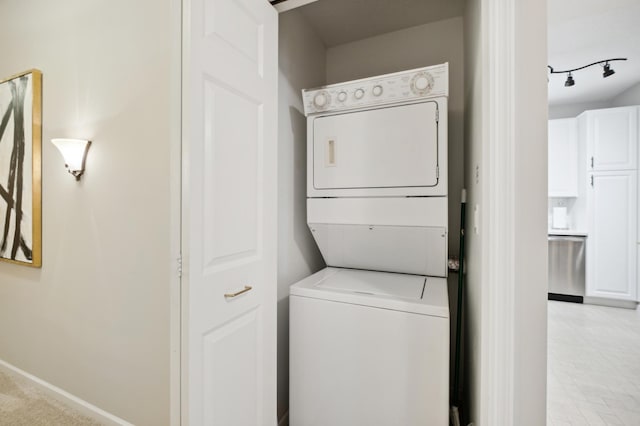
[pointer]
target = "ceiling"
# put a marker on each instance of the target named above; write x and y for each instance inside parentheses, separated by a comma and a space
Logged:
(579, 32)
(343, 21)
(585, 31)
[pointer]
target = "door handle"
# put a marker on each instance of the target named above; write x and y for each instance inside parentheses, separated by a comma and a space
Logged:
(238, 293)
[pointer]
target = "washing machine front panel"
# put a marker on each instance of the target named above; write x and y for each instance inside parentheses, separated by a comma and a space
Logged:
(391, 147)
(358, 365)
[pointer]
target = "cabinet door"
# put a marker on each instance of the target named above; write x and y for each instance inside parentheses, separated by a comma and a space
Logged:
(563, 158)
(611, 253)
(612, 139)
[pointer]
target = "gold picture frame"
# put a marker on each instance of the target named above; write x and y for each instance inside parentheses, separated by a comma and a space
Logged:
(21, 169)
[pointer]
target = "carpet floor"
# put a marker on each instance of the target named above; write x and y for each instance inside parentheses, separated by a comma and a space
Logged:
(22, 404)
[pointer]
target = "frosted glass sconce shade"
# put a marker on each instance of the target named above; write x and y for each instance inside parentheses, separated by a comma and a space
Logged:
(74, 152)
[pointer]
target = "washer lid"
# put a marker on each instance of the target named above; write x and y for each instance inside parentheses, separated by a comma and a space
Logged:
(375, 283)
(400, 292)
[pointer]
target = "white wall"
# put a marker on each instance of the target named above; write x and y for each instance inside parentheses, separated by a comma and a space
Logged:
(302, 65)
(629, 97)
(412, 48)
(574, 110)
(95, 320)
(476, 257)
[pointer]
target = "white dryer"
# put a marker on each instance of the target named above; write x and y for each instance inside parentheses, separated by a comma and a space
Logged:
(369, 335)
(380, 136)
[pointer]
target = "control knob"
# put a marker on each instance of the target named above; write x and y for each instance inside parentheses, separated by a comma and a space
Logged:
(342, 96)
(359, 93)
(422, 83)
(321, 100)
(377, 90)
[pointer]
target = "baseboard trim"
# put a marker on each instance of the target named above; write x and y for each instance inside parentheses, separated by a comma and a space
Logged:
(284, 421)
(65, 397)
(612, 303)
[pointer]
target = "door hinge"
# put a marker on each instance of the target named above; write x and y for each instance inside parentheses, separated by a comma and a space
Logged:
(591, 180)
(437, 172)
(179, 268)
(437, 116)
(592, 162)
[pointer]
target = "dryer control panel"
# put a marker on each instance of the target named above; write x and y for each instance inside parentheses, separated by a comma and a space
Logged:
(388, 89)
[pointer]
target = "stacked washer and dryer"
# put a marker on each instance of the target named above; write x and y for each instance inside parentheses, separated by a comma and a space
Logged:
(369, 334)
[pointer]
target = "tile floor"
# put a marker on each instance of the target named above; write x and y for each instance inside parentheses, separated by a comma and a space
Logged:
(593, 365)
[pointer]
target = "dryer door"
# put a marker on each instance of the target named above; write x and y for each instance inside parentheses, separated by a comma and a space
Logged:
(393, 147)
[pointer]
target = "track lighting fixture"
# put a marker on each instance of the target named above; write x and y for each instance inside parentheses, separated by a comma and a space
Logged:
(608, 71)
(570, 82)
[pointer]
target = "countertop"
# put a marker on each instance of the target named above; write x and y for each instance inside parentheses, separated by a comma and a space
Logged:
(567, 232)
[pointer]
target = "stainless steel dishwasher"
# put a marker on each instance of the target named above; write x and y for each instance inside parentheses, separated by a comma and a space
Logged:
(566, 268)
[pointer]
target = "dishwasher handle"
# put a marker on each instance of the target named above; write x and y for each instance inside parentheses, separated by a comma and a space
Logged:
(567, 238)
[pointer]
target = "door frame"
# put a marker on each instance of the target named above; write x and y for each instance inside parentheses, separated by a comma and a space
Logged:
(514, 151)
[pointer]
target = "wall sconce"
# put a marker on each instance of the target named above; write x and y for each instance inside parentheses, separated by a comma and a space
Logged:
(74, 152)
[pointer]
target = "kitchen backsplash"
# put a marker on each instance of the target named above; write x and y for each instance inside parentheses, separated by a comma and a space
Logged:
(575, 217)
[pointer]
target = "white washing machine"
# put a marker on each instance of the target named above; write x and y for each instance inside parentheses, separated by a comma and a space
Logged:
(369, 349)
(369, 334)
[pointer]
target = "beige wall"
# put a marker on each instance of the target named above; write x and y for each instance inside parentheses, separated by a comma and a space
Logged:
(301, 65)
(94, 320)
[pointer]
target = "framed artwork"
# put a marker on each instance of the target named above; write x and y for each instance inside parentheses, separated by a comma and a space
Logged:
(21, 169)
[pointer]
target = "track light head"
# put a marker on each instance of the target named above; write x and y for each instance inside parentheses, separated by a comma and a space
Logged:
(570, 81)
(607, 70)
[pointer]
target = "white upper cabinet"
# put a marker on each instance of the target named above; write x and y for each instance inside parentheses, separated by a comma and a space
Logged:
(612, 136)
(563, 157)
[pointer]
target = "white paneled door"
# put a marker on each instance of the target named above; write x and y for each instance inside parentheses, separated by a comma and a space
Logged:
(611, 246)
(229, 201)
